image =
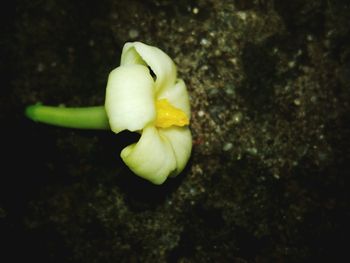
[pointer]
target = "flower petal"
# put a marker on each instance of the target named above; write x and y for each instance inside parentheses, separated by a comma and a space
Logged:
(177, 95)
(161, 64)
(181, 141)
(130, 56)
(130, 98)
(152, 157)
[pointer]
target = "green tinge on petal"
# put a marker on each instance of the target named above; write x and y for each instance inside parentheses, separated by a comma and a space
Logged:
(161, 64)
(181, 141)
(152, 157)
(177, 95)
(130, 56)
(130, 98)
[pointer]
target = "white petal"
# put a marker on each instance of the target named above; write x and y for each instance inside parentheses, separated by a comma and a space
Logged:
(161, 64)
(152, 157)
(181, 141)
(130, 103)
(177, 95)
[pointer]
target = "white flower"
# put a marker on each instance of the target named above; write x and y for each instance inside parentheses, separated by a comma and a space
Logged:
(158, 107)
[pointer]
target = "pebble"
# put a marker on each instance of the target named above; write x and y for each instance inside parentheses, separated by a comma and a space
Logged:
(242, 15)
(230, 90)
(227, 146)
(252, 150)
(40, 67)
(133, 33)
(204, 42)
(291, 64)
(297, 102)
(237, 117)
(200, 113)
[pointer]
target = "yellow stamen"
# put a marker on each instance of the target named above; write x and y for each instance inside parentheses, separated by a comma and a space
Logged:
(168, 115)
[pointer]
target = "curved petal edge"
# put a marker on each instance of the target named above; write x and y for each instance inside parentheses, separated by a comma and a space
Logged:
(180, 139)
(161, 64)
(152, 157)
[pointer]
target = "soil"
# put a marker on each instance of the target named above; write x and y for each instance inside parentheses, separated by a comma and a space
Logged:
(268, 178)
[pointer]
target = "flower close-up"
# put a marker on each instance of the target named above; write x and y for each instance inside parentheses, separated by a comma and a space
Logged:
(144, 95)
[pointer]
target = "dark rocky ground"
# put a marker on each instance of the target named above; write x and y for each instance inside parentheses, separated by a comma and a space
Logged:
(269, 174)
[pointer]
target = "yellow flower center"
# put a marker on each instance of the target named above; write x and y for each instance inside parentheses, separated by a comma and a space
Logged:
(168, 115)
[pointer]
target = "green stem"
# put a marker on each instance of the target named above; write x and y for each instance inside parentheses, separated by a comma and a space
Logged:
(79, 118)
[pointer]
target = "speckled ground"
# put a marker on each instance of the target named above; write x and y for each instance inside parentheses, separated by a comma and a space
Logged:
(268, 177)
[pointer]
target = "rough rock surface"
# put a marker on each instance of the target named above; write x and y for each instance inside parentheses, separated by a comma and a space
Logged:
(268, 178)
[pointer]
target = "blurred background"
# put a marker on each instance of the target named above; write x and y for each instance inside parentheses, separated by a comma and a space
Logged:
(269, 173)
